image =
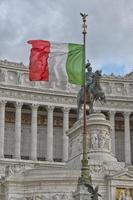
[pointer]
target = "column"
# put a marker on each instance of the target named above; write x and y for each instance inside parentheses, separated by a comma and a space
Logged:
(49, 156)
(17, 138)
(127, 138)
(2, 127)
(65, 137)
(33, 152)
(112, 120)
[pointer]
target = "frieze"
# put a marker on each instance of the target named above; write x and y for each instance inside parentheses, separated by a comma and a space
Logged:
(98, 168)
(46, 98)
(118, 105)
(50, 196)
(13, 170)
(57, 100)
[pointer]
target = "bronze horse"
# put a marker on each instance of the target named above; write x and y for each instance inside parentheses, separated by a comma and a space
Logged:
(93, 93)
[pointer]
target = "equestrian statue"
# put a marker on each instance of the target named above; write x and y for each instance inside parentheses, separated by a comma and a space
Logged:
(93, 89)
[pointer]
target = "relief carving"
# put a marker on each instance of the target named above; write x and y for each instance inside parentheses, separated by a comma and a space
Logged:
(13, 170)
(97, 169)
(94, 141)
(50, 196)
(100, 139)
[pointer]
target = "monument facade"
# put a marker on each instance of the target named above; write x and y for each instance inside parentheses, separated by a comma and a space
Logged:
(34, 146)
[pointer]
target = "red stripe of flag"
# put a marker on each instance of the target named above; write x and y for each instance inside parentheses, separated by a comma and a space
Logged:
(38, 67)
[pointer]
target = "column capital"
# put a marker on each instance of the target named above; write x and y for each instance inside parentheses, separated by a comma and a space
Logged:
(3, 102)
(126, 114)
(65, 109)
(112, 112)
(50, 108)
(34, 106)
(18, 104)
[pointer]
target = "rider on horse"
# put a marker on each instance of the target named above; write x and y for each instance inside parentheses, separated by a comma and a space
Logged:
(93, 89)
(89, 75)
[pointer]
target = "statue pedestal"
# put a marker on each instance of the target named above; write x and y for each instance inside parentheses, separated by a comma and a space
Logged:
(98, 138)
(101, 161)
(81, 193)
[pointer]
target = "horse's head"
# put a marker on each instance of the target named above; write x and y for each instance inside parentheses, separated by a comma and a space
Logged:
(98, 73)
(96, 79)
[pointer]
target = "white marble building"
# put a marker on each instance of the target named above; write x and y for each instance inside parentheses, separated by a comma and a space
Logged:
(34, 118)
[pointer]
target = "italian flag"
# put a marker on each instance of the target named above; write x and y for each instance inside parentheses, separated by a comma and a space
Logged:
(56, 61)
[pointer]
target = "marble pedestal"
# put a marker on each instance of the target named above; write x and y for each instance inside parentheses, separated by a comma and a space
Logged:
(81, 193)
(98, 138)
(100, 158)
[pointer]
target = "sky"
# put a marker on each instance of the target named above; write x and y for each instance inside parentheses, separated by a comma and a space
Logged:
(109, 39)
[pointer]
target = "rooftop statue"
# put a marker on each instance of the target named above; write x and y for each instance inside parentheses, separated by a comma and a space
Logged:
(93, 89)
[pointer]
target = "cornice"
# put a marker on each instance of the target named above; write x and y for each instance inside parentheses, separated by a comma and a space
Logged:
(36, 97)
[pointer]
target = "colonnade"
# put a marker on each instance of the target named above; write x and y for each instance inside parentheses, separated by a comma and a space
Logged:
(33, 149)
(127, 138)
(49, 151)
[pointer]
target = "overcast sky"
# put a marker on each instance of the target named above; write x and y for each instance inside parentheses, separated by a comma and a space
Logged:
(109, 38)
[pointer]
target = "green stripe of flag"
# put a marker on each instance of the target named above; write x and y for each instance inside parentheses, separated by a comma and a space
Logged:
(75, 64)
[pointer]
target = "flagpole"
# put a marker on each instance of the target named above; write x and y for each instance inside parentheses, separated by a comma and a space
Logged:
(85, 176)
